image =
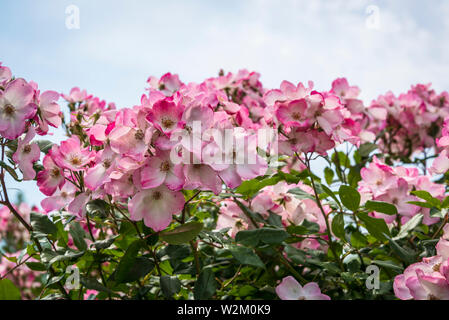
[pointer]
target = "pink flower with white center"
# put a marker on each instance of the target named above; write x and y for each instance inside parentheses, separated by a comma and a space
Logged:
(378, 178)
(49, 111)
(301, 141)
(76, 95)
(237, 161)
(70, 155)
(100, 173)
(196, 119)
(5, 74)
(440, 164)
(166, 116)
(78, 205)
(287, 91)
(161, 170)
(290, 289)
(398, 195)
(167, 84)
(52, 177)
(423, 281)
(232, 217)
(27, 153)
(293, 113)
(16, 107)
(156, 207)
(341, 88)
(60, 198)
(127, 138)
(201, 177)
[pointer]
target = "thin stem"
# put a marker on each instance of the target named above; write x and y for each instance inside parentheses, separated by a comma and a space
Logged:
(326, 219)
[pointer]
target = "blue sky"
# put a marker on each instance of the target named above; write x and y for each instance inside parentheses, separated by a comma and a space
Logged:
(121, 43)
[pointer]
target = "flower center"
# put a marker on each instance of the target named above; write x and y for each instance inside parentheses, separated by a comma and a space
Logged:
(55, 173)
(107, 163)
(165, 166)
(9, 109)
(139, 135)
(197, 166)
(167, 123)
(436, 267)
(157, 195)
(27, 149)
(75, 160)
(296, 116)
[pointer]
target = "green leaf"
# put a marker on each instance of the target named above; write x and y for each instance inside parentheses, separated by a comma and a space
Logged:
(93, 284)
(330, 193)
(10, 170)
(405, 254)
(428, 197)
(421, 204)
(42, 226)
(381, 207)
(301, 194)
(8, 291)
(170, 286)
(409, 226)
(338, 226)
(262, 235)
(246, 256)
(376, 227)
(350, 197)
(36, 266)
(358, 240)
(366, 149)
(67, 256)
(388, 265)
(182, 234)
(104, 244)
(44, 145)
(97, 207)
(297, 256)
(127, 261)
(328, 175)
(78, 234)
(141, 267)
(205, 286)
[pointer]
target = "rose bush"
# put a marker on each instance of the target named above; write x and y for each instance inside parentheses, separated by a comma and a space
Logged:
(213, 191)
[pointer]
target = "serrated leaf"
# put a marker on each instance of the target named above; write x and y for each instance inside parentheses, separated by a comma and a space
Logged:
(246, 256)
(350, 197)
(170, 286)
(8, 291)
(262, 235)
(381, 207)
(376, 227)
(205, 286)
(409, 226)
(182, 234)
(78, 234)
(42, 226)
(338, 226)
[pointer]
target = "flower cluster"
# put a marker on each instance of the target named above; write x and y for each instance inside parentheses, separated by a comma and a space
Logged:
(175, 140)
(381, 182)
(441, 164)
(311, 121)
(428, 279)
(410, 122)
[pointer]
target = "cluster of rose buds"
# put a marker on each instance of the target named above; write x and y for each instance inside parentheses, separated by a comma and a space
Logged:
(381, 182)
(428, 279)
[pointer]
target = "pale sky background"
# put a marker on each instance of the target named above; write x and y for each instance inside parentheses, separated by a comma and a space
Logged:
(121, 43)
